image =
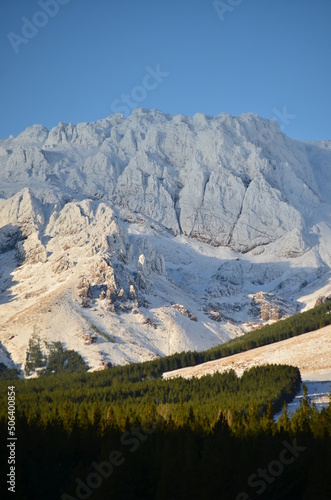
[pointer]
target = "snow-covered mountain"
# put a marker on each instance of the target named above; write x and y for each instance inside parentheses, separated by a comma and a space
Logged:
(131, 238)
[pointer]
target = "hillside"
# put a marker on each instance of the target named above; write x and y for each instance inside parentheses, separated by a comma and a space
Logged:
(310, 352)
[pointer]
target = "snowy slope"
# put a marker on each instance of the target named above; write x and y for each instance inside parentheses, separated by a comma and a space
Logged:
(132, 238)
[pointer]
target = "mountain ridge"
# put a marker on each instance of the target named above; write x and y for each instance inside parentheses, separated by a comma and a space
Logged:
(140, 219)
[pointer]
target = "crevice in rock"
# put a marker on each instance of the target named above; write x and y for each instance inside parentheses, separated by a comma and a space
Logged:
(177, 208)
(229, 240)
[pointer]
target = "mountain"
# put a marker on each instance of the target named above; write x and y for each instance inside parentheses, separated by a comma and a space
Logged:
(131, 238)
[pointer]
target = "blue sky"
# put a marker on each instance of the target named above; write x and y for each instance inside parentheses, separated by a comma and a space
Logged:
(80, 60)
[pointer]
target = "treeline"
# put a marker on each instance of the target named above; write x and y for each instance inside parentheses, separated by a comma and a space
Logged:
(103, 396)
(293, 326)
(89, 437)
(8, 373)
(298, 324)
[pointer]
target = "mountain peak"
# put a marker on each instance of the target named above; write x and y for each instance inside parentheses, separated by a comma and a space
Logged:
(137, 225)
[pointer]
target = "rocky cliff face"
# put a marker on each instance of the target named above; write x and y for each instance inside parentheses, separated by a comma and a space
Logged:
(153, 215)
(228, 181)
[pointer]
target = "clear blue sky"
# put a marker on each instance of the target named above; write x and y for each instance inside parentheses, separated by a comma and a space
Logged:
(91, 56)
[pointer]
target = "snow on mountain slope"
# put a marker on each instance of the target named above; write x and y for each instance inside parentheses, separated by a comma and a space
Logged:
(139, 237)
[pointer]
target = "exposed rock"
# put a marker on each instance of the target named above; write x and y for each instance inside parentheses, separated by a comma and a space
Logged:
(26, 163)
(182, 309)
(214, 312)
(24, 211)
(85, 292)
(147, 321)
(132, 292)
(122, 295)
(234, 181)
(322, 300)
(268, 307)
(9, 236)
(31, 250)
(62, 264)
(89, 338)
(215, 315)
(111, 308)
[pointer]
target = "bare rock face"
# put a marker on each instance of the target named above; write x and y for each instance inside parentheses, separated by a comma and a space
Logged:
(228, 181)
(182, 309)
(31, 250)
(26, 163)
(263, 203)
(147, 321)
(216, 313)
(268, 307)
(22, 220)
(62, 264)
(23, 211)
(322, 300)
(94, 227)
(84, 288)
(9, 237)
